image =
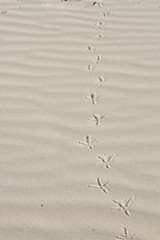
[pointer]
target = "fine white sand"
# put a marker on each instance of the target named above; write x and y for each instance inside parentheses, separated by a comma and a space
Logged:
(45, 75)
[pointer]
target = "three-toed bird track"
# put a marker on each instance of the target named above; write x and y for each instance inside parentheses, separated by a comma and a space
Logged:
(104, 187)
(124, 206)
(88, 142)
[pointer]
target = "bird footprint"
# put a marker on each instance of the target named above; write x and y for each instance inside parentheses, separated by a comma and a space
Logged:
(98, 59)
(97, 118)
(126, 235)
(93, 98)
(100, 25)
(100, 36)
(124, 206)
(3, 12)
(107, 160)
(100, 81)
(105, 14)
(100, 185)
(89, 142)
(91, 68)
(89, 49)
(99, 4)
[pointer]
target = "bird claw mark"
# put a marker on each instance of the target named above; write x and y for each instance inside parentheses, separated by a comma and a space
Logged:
(100, 36)
(91, 68)
(99, 4)
(89, 49)
(98, 59)
(3, 12)
(100, 185)
(126, 235)
(107, 160)
(89, 142)
(93, 98)
(124, 206)
(100, 80)
(97, 118)
(105, 14)
(100, 25)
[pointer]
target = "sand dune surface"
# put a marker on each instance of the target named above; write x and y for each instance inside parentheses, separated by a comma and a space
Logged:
(79, 120)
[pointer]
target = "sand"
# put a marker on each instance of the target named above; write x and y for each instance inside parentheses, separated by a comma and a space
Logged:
(79, 80)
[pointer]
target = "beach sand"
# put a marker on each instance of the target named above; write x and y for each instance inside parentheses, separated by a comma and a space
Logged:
(78, 80)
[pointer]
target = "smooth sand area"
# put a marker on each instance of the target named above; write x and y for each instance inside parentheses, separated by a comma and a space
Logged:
(79, 120)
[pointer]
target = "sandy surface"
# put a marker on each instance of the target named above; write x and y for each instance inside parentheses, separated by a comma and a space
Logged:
(53, 55)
